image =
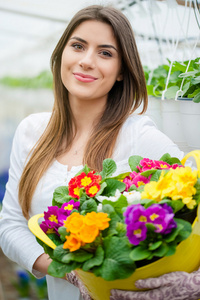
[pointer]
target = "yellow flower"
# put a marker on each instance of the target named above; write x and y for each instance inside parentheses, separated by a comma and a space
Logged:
(88, 233)
(99, 219)
(74, 222)
(176, 184)
(73, 242)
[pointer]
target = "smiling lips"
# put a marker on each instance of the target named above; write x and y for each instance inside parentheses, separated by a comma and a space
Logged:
(84, 78)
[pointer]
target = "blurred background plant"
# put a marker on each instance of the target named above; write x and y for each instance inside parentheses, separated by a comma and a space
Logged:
(28, 287)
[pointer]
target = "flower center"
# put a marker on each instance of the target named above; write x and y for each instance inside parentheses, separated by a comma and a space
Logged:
(154, 216)
(137, 232)
(69, 207)
(142, 219)
(53, 218)
(86, 181)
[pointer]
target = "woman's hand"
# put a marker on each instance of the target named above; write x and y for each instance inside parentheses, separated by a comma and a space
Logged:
(171, 286)
(73, 279)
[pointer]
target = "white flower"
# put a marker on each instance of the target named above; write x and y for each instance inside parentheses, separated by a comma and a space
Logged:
(132, 197)
(99, 207)
(111, 198)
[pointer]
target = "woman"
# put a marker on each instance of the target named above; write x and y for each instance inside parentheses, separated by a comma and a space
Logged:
(98, 83)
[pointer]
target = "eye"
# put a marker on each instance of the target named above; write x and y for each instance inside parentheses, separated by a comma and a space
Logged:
(106, 53)
(77, 46)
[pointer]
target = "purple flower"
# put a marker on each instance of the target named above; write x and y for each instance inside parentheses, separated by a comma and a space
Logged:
(135, 213)
(136, 232)
(162, 217)
(50, 223)
(46, 227)
(66, 209)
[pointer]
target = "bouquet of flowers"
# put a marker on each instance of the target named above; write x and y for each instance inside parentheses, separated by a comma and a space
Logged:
(111, 226)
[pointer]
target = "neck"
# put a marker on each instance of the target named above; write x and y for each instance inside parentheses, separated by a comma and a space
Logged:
(86, 113)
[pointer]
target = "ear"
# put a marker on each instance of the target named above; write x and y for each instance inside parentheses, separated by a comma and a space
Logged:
(120, 77)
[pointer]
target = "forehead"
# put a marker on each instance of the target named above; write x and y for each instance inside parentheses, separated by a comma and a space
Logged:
(97, 31)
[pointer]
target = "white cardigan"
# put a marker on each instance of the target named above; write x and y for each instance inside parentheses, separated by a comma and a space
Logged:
(138, 135)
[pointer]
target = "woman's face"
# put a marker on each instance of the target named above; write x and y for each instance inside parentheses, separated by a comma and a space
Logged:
(91, 62)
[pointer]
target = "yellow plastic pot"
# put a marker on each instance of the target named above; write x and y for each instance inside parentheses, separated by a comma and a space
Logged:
(186, 258)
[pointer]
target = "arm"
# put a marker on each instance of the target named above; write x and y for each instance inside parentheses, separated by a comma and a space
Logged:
(16, 241)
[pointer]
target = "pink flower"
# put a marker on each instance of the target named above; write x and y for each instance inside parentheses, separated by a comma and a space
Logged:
(140, 180)
(146, 164)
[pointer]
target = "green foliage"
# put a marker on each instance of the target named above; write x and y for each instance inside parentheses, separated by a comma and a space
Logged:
(109, 167)
(60, 196)
(116, 262)
(44, 80)
(191, 84)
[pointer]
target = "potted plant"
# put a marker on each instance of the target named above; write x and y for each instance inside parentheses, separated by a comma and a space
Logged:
(170, 111)
(106, 227)
(189, 99)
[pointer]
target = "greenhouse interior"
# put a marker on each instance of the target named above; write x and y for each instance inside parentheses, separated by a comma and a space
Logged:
(167, 34)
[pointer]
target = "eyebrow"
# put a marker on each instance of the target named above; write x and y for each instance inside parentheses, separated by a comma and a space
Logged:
(100, 46)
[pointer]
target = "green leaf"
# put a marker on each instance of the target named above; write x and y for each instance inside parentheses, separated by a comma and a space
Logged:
(89, 205)
(117, 263)
(63, 232)
(162, 250)
(58, 269)
(197, 98)
(119, 204)
(156, 175)
(107, 208)
(147, 202)
(150, 89)
(172, 249)
(61, 195)
(171, 92)
(177, 205)
(78, 256)
(197, 195)
(155, 245)
(112, 229)
(112, 186)
(109, 167)
(139, 253)
(121, 176)
(103, 185)
(85, 170)
(148, 172)
(94, 261)
(134, 161)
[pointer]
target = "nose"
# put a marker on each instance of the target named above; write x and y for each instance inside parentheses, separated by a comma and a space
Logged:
(87, 61)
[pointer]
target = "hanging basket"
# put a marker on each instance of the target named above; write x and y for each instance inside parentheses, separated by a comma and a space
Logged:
(190, 121)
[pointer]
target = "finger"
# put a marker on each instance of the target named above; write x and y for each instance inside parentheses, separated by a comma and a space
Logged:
(130, 295)
(164, 280)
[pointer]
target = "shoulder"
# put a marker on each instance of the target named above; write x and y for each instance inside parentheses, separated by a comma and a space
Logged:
(29, 131)
(137, 123)
(140, 136)
(34, 125)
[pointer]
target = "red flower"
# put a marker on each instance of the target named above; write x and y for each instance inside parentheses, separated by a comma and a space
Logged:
(93, 189)
(84, 180)
(89, 182)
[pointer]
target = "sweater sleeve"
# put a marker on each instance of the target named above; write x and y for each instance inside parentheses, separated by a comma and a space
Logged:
(16, 240)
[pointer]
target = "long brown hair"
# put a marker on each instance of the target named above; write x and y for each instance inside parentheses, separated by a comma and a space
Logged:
(124, 97)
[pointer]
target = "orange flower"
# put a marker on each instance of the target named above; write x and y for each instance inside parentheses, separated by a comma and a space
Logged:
(74, 222)
(88, 233)
(99, 219)
(73, 242)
